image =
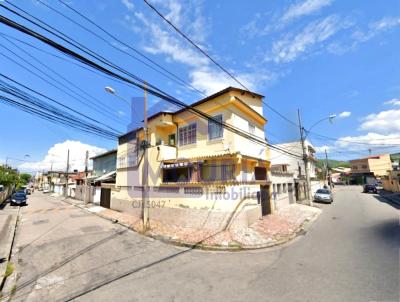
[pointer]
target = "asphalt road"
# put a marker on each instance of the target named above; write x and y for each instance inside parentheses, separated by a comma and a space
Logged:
(351, 253)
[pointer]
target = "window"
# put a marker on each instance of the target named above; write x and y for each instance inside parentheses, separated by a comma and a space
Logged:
(260, 173)
(354, 167)
(171, 139)
(187, 135)
(217, 172)
(215, 130)
(274, 188)
(279, 188)
(252, 128)
(284, 188)
(364, 167)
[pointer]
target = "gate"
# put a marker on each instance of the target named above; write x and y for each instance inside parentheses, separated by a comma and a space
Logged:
(105, 198)
(265, 200)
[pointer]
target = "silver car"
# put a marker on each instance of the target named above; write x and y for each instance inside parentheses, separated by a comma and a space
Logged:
(323, 195)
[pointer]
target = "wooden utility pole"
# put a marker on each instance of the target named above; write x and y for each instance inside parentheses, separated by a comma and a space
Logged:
(305, 160)
(66, 176)
(86, 173)
(145, 192)
(328, 173)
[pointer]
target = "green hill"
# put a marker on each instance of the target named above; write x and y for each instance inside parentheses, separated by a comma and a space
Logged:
(333, 163)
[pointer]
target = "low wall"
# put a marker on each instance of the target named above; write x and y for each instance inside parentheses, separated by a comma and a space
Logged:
(5, 193)
(205, 211)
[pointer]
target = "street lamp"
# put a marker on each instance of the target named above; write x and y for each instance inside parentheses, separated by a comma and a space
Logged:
(112, 91)
(145, 209)
(330, 118)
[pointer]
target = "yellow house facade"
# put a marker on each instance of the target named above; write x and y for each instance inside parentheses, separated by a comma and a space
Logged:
(200, 173)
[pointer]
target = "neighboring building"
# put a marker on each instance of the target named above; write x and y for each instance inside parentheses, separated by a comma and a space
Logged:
(104, 163)
(283, 186)
(200, 174)
(391, 182)
(103, 178)
(368, 169)
(296, 166)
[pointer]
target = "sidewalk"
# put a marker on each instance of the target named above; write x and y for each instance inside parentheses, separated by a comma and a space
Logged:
(268, 231)
(8, 222)
(390, 196)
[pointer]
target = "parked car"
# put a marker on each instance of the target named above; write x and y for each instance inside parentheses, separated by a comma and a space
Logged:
(46, 191)
(370, 189)
(18, 198)
(323, 195)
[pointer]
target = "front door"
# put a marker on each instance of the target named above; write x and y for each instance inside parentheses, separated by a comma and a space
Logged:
(265, 200)
(105, 198)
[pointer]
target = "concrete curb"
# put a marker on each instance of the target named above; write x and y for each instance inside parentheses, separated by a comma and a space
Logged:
(9, 247)
(301, 230)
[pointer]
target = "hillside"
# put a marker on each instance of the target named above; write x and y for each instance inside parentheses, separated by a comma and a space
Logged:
(333, 163)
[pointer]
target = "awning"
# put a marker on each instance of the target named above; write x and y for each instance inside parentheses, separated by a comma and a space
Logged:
(177, 165)
(105, 177)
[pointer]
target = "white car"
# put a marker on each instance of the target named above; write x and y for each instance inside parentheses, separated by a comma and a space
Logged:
(323, 195)
(46, 191)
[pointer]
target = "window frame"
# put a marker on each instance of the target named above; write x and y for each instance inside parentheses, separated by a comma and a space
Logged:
(211, 123)
(187, 127)
(252, 128)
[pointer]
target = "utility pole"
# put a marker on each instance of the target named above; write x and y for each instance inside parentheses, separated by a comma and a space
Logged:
(86, 173)
(66, 176)
(328, 173)
(305, 160)
(145, 208)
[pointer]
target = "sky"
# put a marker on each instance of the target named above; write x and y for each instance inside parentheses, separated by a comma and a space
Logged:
(322, 57)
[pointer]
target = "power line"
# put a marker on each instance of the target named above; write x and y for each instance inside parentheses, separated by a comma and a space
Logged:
(175, 77)
(214, 61)
(33, 105)
(62, 88)
(55, 101)
(156, 92)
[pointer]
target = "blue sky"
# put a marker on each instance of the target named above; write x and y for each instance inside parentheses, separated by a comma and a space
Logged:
(322, 56)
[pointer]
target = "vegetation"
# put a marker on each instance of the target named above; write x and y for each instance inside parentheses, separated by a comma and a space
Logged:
(333, 163)
(25, 178)
(9, 269)
(11, 177)
(8, 176)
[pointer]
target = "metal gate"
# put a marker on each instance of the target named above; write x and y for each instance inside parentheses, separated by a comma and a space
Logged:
(265, 200)
(105, 197)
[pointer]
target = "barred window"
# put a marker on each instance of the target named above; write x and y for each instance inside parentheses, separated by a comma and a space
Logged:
(187, 134)
(215, 130)
(217, 172)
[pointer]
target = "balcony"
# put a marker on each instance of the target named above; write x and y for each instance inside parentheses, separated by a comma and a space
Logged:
(166, 152)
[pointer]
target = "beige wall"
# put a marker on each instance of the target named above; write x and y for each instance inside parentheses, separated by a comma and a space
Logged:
(379, 166)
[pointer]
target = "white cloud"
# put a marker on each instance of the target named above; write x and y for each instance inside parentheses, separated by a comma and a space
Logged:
(304, 8)
(211, 81)
(321, 149)
(344, 114)
(384, 122)
(160, 40)
(128, 4)
(362, 36)
(56, 157)
(395, 102)
(349, 147)
(291, 46)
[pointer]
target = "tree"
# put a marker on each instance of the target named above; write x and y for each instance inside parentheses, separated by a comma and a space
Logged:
(8, 176)
(25, 178)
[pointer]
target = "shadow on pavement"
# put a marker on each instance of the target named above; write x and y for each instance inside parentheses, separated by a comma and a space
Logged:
(385, 200)
(389, 231)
